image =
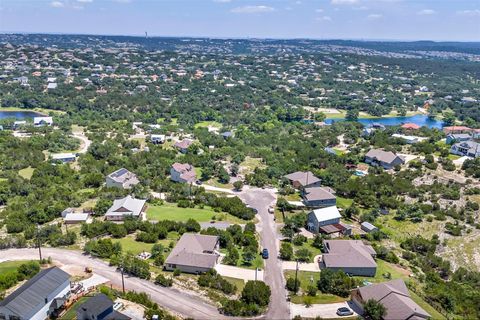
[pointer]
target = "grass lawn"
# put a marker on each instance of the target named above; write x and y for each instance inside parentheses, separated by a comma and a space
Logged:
(38, 110)
(26, 173)
(308, 278)
(239, 283)
(312, 249)
(204, 124)
(130, 245)
(8, 266)
(71, 314)
(249, 164)
(399, 230)
(170, 211)
(384, 267)
(293, 197)
(256, 263)
(218, 184)
(344, 202)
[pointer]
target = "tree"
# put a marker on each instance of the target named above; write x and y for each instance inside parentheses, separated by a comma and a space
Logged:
(238, 185)
(352, 114)
(374, 310)
(256, 292)
(449, 118)
(292, 286)
(303, 255)
(286, 251)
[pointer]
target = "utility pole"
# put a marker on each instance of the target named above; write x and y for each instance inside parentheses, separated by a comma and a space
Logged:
(296, 275)
(256, 273)
(123, 280)
(39, 243)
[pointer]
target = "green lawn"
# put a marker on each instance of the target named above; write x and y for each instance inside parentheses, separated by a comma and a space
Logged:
(8, 266)
(26, 173)
(383, 268)
(204, 124)
(293, 197)
(170, 211)
(71, 314)
(239, 283)
(130, 245)
(308, 278)
(308, 245)
(344, 202)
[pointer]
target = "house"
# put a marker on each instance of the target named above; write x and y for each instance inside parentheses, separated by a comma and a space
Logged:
(39, 297)
(99, 307)
(183, 145)
(410, 126)
(122, 178)
(157, 138)
(194, 253)
(126, 207)
(18, 124)
(64, 157)
(322, 217)
(319, 197)
(386, 159)
(51, 86)
(457, 137)
(183, 172)
(456, 129)
(301, 179)
(351, 256)
(76, 217)
(368, 227)
(42, 121)
(227, 134)
(466, 148)
(394, 296)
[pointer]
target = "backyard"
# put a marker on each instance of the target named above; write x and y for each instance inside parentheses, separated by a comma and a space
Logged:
(173, 212)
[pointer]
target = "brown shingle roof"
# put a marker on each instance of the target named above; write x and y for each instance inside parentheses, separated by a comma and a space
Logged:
(348, 254)
(303, 177)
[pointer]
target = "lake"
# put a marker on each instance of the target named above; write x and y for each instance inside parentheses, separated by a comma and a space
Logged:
(19, 114)
(419, 119)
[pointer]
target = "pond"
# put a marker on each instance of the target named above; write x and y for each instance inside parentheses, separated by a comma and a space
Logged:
(419, 119)
(19, 114)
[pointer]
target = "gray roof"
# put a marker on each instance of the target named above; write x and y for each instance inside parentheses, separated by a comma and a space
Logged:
(318, 193)
(382, 156)
(304, 178)
(32, 294)
(125, 177)
(98, 304)
(192, 250)
(126, 206)
(395, 297)
(367, 225)
(348, 254)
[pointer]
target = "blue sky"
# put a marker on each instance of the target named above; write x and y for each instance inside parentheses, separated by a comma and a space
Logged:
(320, 19)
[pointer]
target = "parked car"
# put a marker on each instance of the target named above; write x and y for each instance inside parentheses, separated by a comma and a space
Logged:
(117, 306)
(265, 253)
(344, 311)
(271, 210)
(199, 182)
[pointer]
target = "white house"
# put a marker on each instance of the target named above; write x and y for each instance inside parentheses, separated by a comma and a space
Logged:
(122, 178)
(157, 138)
(126, 207)
(42, 121)
(64, 157)
(322, 217)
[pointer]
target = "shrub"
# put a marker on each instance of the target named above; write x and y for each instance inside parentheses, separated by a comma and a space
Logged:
(256, 292)
(286, 251)
(293, 285)
(163, 281)
(177, 272)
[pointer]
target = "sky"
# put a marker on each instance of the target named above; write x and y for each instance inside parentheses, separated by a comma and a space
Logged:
(440, 20)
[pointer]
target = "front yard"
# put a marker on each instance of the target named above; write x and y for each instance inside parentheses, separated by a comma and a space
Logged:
(169, 211)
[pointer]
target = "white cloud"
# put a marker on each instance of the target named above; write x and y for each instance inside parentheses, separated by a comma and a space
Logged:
(470, 13)
(426, 12)
(324, 18)
(222, 1)
(361, 8)
(77, 7)
(374, 16)
(339, 2)
(57, 4)
(85, 1)
(252, 9)
(319, 10)
(122, 1)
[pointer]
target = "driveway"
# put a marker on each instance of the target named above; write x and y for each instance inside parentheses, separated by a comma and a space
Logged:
(93, 281)
(322, 311)
(260, 199)
(291, 265)
(239, 273)
(187, 305)
(85, 142)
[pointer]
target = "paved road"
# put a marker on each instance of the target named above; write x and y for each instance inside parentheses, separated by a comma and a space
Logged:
(171, 299)
(260, 199)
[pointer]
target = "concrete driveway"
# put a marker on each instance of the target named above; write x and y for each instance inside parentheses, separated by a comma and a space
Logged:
(291, 265)
(239, 273)
(323, 311)
(94, 281)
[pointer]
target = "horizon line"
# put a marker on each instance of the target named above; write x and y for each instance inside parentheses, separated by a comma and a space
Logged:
(234, 38)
